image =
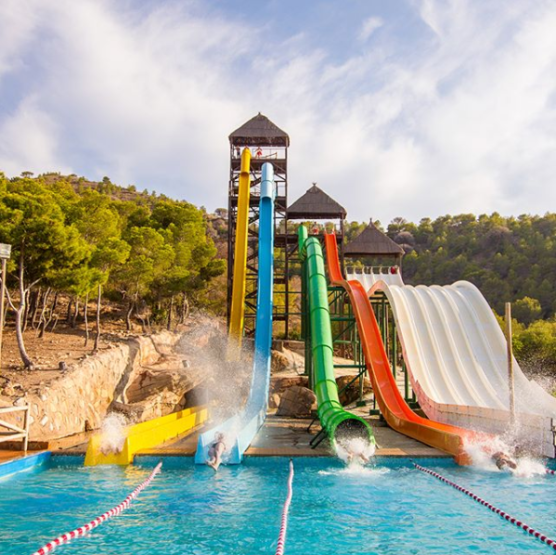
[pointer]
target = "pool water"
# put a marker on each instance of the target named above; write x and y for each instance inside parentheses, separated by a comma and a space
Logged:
(390, 509)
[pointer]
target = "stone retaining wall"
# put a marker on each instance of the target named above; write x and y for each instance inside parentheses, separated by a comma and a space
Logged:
(79, 399)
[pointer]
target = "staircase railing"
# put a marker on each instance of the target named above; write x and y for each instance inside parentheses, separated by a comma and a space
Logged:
(13, 432)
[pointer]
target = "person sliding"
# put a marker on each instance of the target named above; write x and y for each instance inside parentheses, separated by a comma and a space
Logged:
(503, 460)
(216, 451)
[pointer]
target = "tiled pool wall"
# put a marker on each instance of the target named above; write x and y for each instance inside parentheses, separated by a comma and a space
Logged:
(30, 463)
(178, 461)
(45, 460)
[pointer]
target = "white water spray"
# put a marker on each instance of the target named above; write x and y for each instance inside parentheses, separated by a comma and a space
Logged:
(355, 451)
(113, 432)
(227, 383)
(481, 454)
(356, 470)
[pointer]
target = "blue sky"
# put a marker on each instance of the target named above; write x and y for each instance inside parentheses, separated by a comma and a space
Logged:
(412, 108)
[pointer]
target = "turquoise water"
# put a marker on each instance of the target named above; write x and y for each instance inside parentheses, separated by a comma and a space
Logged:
(191, 510)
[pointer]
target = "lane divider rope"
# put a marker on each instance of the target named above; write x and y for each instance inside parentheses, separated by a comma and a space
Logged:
(544, 538)
(548, 471)
(82, 530)
(284, 526)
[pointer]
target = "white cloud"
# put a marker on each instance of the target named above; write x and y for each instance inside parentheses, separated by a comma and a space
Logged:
(147, 100)
(16, 24)
(460, 120)
(28, 141)
(463, 125)
(369, 26)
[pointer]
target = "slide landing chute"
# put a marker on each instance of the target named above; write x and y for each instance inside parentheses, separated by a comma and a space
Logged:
(146, 435)
(240, 429)
(448, 438)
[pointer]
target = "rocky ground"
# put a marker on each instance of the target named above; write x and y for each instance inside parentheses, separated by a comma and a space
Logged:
(143, 377)
(139, 376)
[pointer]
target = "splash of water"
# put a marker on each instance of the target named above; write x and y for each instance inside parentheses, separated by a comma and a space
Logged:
(226, 383)
(355, 450)
(481, 454)
(355, 469)
(113, 432)
(481, 451)
(527, 467)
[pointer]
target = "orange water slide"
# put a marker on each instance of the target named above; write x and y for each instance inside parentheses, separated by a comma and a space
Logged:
(395, 410)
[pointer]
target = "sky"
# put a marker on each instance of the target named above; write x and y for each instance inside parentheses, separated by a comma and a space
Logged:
(411, 108)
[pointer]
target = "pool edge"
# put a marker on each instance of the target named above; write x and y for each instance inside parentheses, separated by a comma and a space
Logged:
(24, 464)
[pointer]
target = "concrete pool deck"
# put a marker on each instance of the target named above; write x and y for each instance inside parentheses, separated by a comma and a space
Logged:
(285, 437)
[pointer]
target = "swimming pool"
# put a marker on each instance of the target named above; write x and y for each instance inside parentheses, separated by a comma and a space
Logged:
(390, 509)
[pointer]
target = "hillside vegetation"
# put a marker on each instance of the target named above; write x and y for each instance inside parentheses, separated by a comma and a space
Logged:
(81, 239)
(509, 259)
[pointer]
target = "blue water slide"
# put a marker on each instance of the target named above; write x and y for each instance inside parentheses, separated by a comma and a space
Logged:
(240, 429)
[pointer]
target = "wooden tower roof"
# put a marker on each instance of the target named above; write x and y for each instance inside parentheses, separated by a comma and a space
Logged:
(315, 204)
(259, 131)
(372, 242)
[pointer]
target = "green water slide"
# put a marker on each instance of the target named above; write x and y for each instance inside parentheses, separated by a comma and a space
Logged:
(338, 423)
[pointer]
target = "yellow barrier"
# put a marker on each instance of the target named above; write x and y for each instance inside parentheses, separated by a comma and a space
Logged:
(146, 435)
(237, 310)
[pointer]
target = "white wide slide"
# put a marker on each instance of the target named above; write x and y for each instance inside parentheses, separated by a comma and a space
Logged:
(456, 354)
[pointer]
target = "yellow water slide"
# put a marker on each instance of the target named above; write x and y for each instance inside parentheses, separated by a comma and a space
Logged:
(145, 436)
(237, 311)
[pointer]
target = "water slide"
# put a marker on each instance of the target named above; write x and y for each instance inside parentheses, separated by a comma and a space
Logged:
(240, 429)
(457, 357)
(446, 437)
(237, 310)
(145, 435)
(337, 422)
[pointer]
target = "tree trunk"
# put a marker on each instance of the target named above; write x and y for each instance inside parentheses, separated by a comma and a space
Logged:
(42, 326)
(169, 323)
(25, 314)
(68, 314)
(19, 312)
(97, 335)
(45, 298)
(75, 313)
(6, 308)
(128, 316)
(55, 322)
(28, 363)
(36, 297)
(86, 320)
(184, 309)
(51, 314)
(42, 318)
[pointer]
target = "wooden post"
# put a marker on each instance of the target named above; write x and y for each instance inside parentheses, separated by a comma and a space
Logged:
(2, 294)
(26, 422)
(508, 318)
